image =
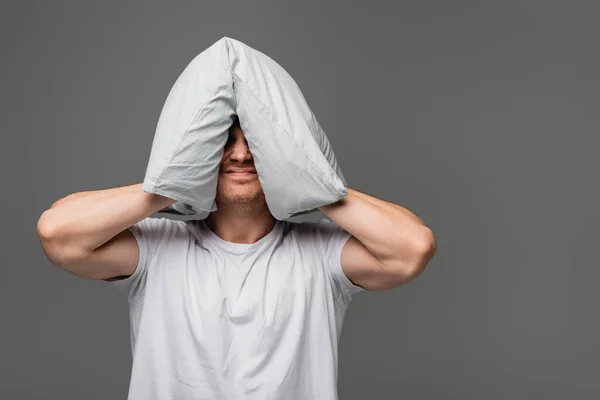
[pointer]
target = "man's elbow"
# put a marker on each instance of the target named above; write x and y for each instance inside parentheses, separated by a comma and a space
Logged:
(56, 250)
(426, 248)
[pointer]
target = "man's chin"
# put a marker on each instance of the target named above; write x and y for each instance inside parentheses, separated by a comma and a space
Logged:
(240, 198)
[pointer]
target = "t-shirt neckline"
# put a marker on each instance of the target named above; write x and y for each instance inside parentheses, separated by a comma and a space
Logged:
(238, 248)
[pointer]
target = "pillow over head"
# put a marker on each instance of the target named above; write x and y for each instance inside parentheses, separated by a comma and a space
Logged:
(295, 163)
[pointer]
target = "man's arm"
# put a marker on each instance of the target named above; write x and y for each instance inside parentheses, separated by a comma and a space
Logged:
(389, 246)
(86, 233)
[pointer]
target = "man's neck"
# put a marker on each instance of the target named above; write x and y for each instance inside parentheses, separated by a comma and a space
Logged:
(241, 223)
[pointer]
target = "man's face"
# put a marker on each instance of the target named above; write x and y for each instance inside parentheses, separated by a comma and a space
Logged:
(238, 181)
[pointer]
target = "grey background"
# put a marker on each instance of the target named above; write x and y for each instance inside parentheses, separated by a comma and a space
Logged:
(480, 117)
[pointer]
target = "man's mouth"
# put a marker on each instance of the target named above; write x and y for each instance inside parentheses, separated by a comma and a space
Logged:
(240, 171)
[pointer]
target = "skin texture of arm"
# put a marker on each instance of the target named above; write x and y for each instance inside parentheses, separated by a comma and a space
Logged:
(389, 246)
(75, 228)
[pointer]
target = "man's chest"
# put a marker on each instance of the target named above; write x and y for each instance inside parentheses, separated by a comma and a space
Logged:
(250, 292)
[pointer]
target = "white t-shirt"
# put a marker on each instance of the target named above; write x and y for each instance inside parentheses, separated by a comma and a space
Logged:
(211, 319)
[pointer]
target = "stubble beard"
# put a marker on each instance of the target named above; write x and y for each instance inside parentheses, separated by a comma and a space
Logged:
(241, 200)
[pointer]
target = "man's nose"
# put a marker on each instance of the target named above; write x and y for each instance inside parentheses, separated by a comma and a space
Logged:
(241, 151)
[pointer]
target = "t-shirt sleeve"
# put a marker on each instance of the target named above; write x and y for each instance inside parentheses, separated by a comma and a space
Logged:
(149, 234)
(332, 239)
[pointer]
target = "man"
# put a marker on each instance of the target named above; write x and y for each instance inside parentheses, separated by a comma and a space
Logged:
(239, 305)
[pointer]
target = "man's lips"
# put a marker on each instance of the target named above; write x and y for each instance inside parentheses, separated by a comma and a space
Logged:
(240, 171)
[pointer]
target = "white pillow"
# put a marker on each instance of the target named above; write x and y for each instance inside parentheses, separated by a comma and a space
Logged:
(296, 165)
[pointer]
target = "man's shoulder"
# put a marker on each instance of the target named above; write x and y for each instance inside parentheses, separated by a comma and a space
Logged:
(321, 223)
(162, 223)
(313, 229)
(161, 227)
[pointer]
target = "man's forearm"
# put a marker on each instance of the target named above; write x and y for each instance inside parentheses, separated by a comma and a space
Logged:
(89, 194)
(80, 223)
(392, 233)
(386, 205)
